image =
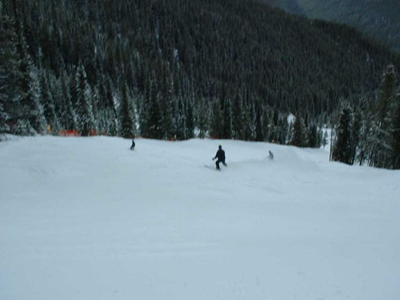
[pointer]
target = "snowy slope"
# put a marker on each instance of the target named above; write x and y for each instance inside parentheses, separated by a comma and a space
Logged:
(86, 218)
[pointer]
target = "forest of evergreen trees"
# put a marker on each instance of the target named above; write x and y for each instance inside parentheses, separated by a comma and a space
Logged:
(175, 69)
(370, 132)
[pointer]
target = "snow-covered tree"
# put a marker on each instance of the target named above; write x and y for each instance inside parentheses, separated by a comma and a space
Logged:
(84, 109)
(67, 113)
(9, 72)
(382, 150)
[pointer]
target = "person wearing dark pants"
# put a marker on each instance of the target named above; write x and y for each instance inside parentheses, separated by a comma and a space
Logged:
(220, 156)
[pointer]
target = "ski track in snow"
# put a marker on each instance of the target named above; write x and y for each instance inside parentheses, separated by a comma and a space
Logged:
(86, 218)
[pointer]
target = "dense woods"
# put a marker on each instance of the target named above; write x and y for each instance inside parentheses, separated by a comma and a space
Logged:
(370, 132)
(178, 69)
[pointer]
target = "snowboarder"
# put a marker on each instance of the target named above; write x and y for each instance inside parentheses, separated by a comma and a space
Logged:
(271, 155)
(133, 145)
(221, 157)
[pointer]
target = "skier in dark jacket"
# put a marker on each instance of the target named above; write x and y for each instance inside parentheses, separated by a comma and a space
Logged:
(133, 144)
(221, 157)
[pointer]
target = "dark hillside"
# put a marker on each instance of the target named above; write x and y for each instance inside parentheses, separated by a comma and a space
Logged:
(379, 19)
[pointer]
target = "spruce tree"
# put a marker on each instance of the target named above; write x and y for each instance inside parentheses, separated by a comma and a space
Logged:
(67, 116)
(396, 132)
(259, 128)
(313, 136)
(9, 72)
(167, 108)
(203, 118)
(237, 118)
(381, 155)
(190, 121)
(216, 120)
(248, 120)
(37, 118)
(299, 133)
(84, 110)
(155, 117)
(180, 119)
(47, 102)
(128, 126)
(227, 121)
(355, 135)
(28, 110)
(342, 150)
(265, 125)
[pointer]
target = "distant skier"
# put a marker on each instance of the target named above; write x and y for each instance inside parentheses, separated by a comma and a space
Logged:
(133, 145)
(271, 155)
(221, 157)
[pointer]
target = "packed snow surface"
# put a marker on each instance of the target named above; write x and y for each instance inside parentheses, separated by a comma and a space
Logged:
(88, 219)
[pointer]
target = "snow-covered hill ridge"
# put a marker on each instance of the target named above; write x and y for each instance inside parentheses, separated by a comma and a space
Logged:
(86, 218)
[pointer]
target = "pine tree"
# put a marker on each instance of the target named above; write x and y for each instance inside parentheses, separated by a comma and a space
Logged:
(313, 136)
(265, 125)
(216, 120)
(342, 150)
(299, 133)
(227, 121)
(355, 135)
(248, 120)
(180, 119)
(283, 129)
(47, 102)
(3, 118)
(386, 93)
(167, 108)
(190, 122)
(28, 110)
(128, 126)
(203, 119)
(144, 111)
(155, 118)
(237, 118)
(382, 151)
(84, 110)
(396, 132)
(259, 129)
(9, 72)
(37, 118)
(67, 113)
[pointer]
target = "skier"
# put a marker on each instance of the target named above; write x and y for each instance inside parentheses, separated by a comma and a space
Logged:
(133, 145)
(221, 157)
(271, 155)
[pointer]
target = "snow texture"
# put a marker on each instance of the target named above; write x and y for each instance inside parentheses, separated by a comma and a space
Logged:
(86, 218)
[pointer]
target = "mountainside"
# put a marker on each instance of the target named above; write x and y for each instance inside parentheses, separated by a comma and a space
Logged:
(261, 53)
(379, 19)
(86, 218)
